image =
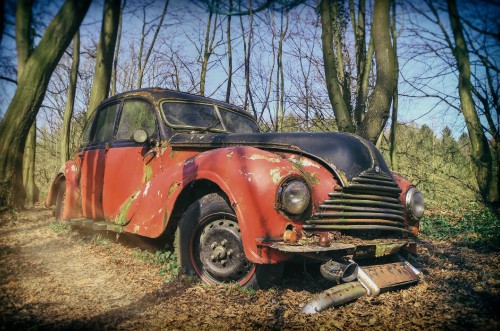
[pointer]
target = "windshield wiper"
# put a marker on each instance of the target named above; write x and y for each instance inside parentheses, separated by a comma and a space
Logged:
(211, 126)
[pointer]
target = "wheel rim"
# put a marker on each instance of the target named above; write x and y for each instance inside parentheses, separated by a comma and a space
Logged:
(217, 253)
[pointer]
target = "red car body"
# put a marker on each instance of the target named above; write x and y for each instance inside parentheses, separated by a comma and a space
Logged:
(356, 207)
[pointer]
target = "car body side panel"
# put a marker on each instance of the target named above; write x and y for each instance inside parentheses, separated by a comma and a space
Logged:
(126, 171)
(250, 177)
(91, 183)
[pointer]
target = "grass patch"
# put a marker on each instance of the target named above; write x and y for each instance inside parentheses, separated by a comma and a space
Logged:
(100, 240)
(166, 260)
(470, 225)
(60, 227)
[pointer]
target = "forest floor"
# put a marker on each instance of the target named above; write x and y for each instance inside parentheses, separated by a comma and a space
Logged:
(55, 278)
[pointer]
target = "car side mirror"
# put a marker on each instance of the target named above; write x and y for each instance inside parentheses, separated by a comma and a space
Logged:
(140, 136)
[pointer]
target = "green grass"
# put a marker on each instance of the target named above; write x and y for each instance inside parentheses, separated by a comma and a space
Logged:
(60, 227)
(166, 260)
(471, 225)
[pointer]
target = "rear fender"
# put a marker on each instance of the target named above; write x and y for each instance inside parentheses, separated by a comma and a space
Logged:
(70, 173)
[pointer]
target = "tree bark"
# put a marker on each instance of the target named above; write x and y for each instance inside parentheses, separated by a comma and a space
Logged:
(29, 95)
(105, 54)
(24, 46)
(480, 150)
(395, 98)
(117, 50)
(70, 102)
(380, 100)
(342, 114)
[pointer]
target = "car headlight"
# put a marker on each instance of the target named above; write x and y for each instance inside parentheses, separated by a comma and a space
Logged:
(415, 204)
(294, 196)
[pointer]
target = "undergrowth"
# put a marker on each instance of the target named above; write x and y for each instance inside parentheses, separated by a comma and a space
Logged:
(166, 260)
(470, 225)
(60, 227)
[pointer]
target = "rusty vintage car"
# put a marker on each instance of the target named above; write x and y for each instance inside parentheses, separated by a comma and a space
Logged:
(156, 162)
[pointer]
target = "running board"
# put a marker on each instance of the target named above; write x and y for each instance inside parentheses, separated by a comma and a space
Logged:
(95, 225)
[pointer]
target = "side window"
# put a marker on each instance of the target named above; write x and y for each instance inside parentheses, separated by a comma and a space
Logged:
(105, 124)
(86, 133)
(136, 114)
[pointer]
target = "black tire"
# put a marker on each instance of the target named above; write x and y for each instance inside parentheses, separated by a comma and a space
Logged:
(60, 200)
(208, 244)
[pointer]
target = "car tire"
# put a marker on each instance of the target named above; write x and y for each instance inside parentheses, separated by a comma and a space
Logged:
(60, 200)
(208, 244)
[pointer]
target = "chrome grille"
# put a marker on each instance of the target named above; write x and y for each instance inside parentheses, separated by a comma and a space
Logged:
(371, 201)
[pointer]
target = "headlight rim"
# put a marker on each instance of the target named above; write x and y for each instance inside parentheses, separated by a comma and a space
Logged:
(410, 207)
(280, 198)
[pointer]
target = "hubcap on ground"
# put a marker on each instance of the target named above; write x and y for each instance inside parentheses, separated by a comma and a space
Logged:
(220, 252)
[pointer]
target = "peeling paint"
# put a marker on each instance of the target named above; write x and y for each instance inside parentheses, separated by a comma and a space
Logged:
(137, 228)
(74, 168)
(275, 175)
(147, 173)
(230, 155)
(172, 154)
(254, 157)
(148, 185)
(121, 219)
(173, 188)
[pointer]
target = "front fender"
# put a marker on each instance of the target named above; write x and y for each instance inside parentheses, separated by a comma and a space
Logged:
(250, 178)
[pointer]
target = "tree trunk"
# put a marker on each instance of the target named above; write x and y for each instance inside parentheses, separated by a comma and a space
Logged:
(380, 100)
(229, 54)
(480, 150)
(24, 46)
(29, 185)
(342, 115)
(148, 54)
(105, 54)
(29, 95)
(395, 98)
(70, 102)
(208, 48)
(117, 50)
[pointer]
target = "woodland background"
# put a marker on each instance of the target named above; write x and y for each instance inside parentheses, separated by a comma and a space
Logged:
(418, 78)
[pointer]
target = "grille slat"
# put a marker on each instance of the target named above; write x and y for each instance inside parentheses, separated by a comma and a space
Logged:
(371, 201)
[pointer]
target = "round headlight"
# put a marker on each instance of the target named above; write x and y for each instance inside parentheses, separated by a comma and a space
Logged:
(415, 204)
(294, 196)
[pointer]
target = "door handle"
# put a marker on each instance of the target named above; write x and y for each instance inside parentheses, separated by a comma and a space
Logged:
(150, 152)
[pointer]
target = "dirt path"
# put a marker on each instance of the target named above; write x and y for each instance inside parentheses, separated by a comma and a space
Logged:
(73, 280)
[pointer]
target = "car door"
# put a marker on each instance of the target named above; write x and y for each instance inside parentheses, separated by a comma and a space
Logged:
(130, 165)
(93, 157)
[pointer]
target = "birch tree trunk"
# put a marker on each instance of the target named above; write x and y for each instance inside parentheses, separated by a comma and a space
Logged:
(22, 111)
(70, 102)
(105, 54)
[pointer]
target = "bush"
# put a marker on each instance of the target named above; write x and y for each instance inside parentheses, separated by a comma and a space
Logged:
(470, 225)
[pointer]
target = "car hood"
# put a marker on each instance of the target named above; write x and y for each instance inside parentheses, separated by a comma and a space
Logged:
(345, 154)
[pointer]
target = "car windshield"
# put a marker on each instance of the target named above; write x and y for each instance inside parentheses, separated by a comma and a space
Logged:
(204, 117)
